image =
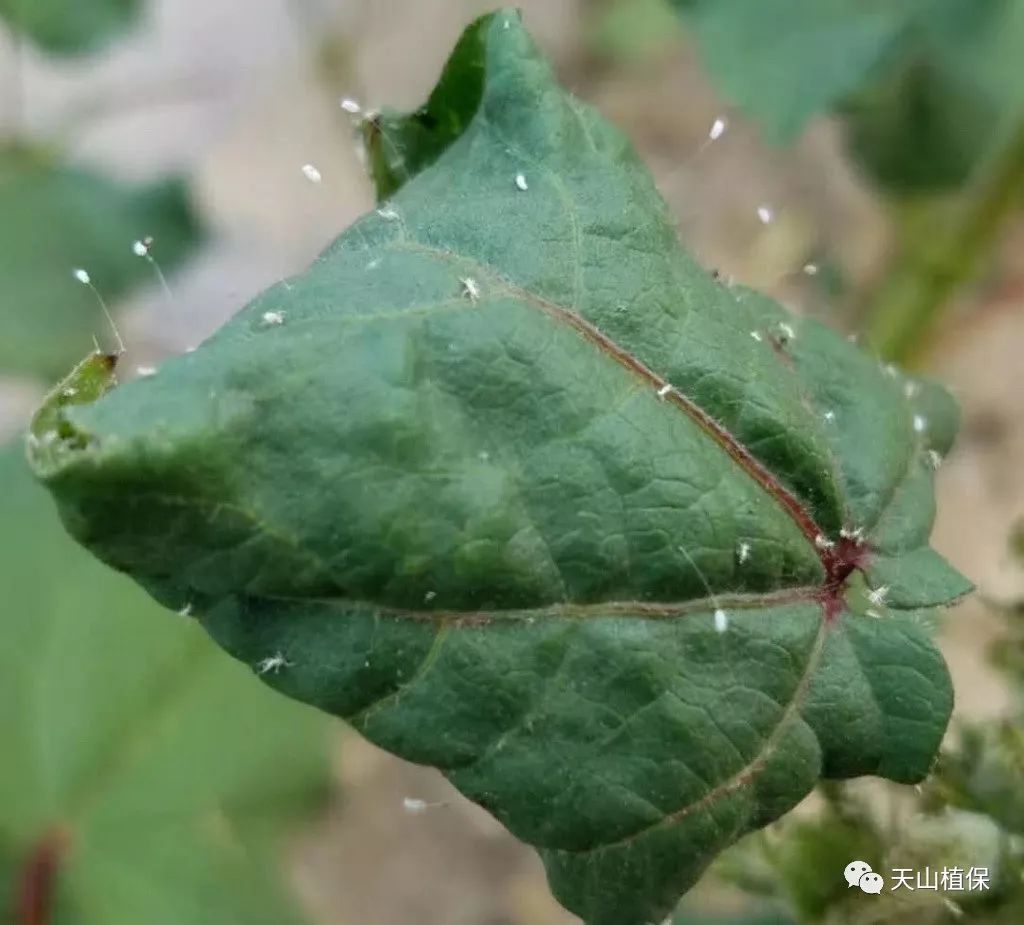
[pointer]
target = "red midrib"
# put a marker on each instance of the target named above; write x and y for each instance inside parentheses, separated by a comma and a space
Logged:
(838, 558)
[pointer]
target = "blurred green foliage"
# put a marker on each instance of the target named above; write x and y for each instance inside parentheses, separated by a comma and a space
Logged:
(796, 867)
(785, 61)
(54, 218)
(635, 32)
(157, 776)
(69, 26)
(927, 88)
(985, 772)
(684, 917)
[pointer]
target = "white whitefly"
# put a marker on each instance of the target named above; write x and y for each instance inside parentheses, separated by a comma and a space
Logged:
(811, 269)
(874, 614)
(311, 173)
(470, 288)
(82, 276)
(718, 128)
(429, 596)
(934, 459)
(830, 416)
(787, 330)
(743, 553)
(664, 390)
(145, 371)
(140, 249)
(721, 620)
(878, 595)
(388, 213)
(920, 423)
(186, 611)
(756, 335)
(765, 214)
(413, 805)
(273, 318)
(850, 533)
(350, 106)
(823, 542)
(273, 663)
(521, 183)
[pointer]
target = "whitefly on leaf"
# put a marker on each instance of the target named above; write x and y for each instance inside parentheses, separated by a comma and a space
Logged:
(453, 502)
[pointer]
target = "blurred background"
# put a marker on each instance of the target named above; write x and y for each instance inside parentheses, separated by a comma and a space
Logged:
(859, 163)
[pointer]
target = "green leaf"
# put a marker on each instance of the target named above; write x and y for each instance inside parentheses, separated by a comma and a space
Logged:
(952, 96)
(928, 87)
(983, 772)
(140, 764)
(631, 32)
(54, 219)
(758, 918)
(484, 474)
(400, 146)
(787, 61)
(70, 26)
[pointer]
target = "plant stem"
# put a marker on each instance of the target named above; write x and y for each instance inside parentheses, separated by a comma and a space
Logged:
(937, 262)
(37, 881)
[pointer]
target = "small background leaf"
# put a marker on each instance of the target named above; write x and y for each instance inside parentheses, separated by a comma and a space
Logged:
(69, 26)
(761, 54)
(55, 218)
(954, 92)
(929, 88)
(634, 33)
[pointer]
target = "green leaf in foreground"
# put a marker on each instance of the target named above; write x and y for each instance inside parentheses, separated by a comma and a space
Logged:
(69, 26)
(54, 219)
(140, 767)
(521, 492)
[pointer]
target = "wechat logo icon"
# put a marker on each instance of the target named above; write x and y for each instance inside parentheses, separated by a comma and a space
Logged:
(859, 873)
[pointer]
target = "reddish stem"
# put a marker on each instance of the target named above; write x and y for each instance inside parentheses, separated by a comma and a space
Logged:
(37, 880)
(840, 561)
